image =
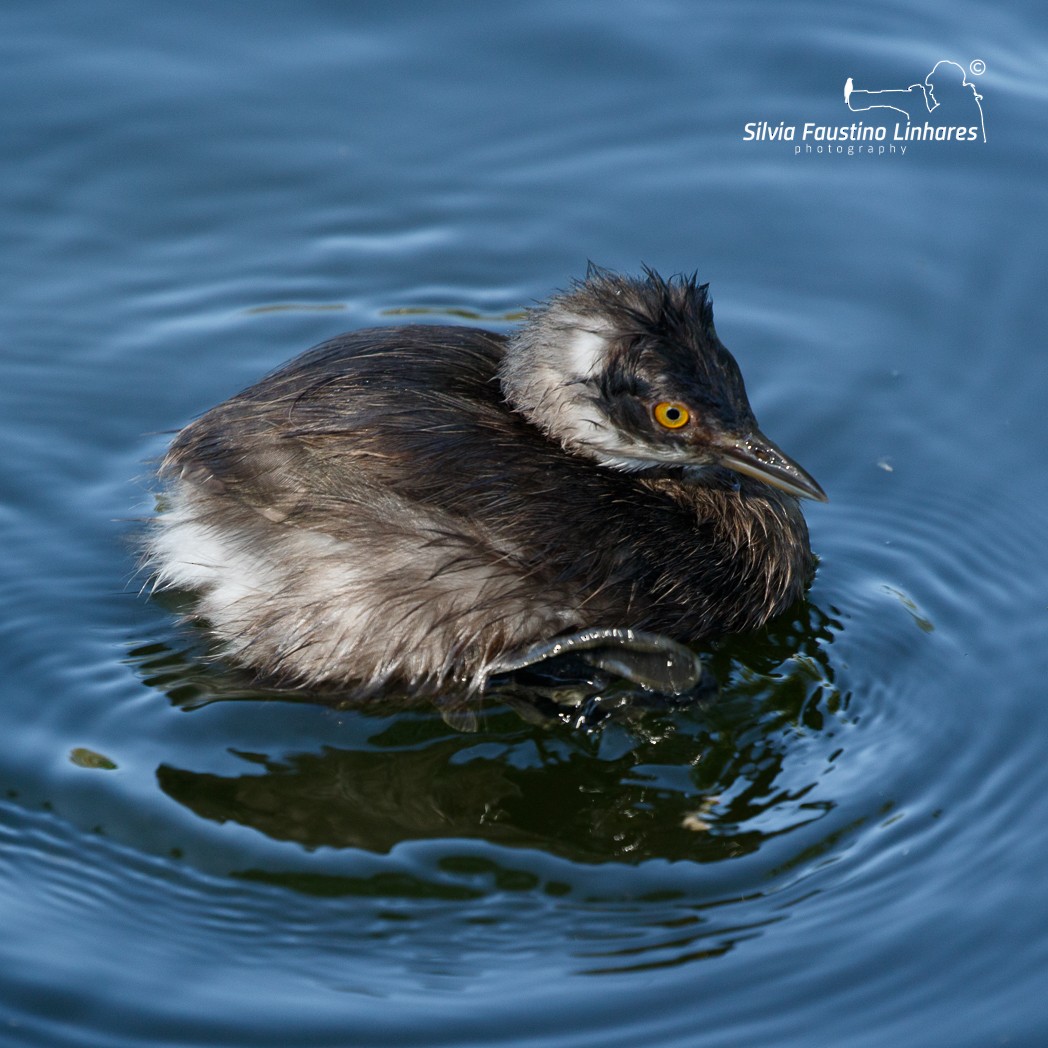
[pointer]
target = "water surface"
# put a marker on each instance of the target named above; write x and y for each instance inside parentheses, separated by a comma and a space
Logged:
(844, 846)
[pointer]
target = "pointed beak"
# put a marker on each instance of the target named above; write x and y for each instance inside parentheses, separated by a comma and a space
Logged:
(756, 456)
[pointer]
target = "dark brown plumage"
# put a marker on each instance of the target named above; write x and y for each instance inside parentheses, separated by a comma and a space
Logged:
(415, 505)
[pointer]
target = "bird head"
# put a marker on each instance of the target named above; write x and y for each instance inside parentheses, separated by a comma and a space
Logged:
(630, 373)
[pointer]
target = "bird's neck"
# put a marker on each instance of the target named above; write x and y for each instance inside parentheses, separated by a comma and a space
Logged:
(758, 547)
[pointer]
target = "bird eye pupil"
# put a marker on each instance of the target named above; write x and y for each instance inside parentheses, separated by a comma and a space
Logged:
(673, 414)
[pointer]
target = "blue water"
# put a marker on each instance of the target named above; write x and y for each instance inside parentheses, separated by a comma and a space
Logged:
(845, 847)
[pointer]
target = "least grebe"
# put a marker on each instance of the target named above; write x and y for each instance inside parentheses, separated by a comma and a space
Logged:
(423, 506)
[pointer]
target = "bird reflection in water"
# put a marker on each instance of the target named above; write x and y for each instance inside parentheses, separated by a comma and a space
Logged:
(686, 782)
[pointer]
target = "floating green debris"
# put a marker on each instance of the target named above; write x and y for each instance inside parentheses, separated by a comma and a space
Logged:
(465, 314)
(297, 307)
(85, 758)
(923, 622)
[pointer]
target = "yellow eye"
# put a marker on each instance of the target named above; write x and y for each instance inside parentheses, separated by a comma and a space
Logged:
(671, 415)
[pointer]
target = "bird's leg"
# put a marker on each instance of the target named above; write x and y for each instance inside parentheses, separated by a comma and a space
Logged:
(654, 662)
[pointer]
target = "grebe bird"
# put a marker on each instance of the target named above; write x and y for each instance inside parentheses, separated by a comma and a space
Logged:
(426, 506)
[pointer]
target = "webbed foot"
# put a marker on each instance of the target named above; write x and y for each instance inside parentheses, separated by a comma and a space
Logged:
(651, 660)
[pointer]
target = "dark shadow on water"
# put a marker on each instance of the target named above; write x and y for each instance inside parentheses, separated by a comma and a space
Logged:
(674, 783)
